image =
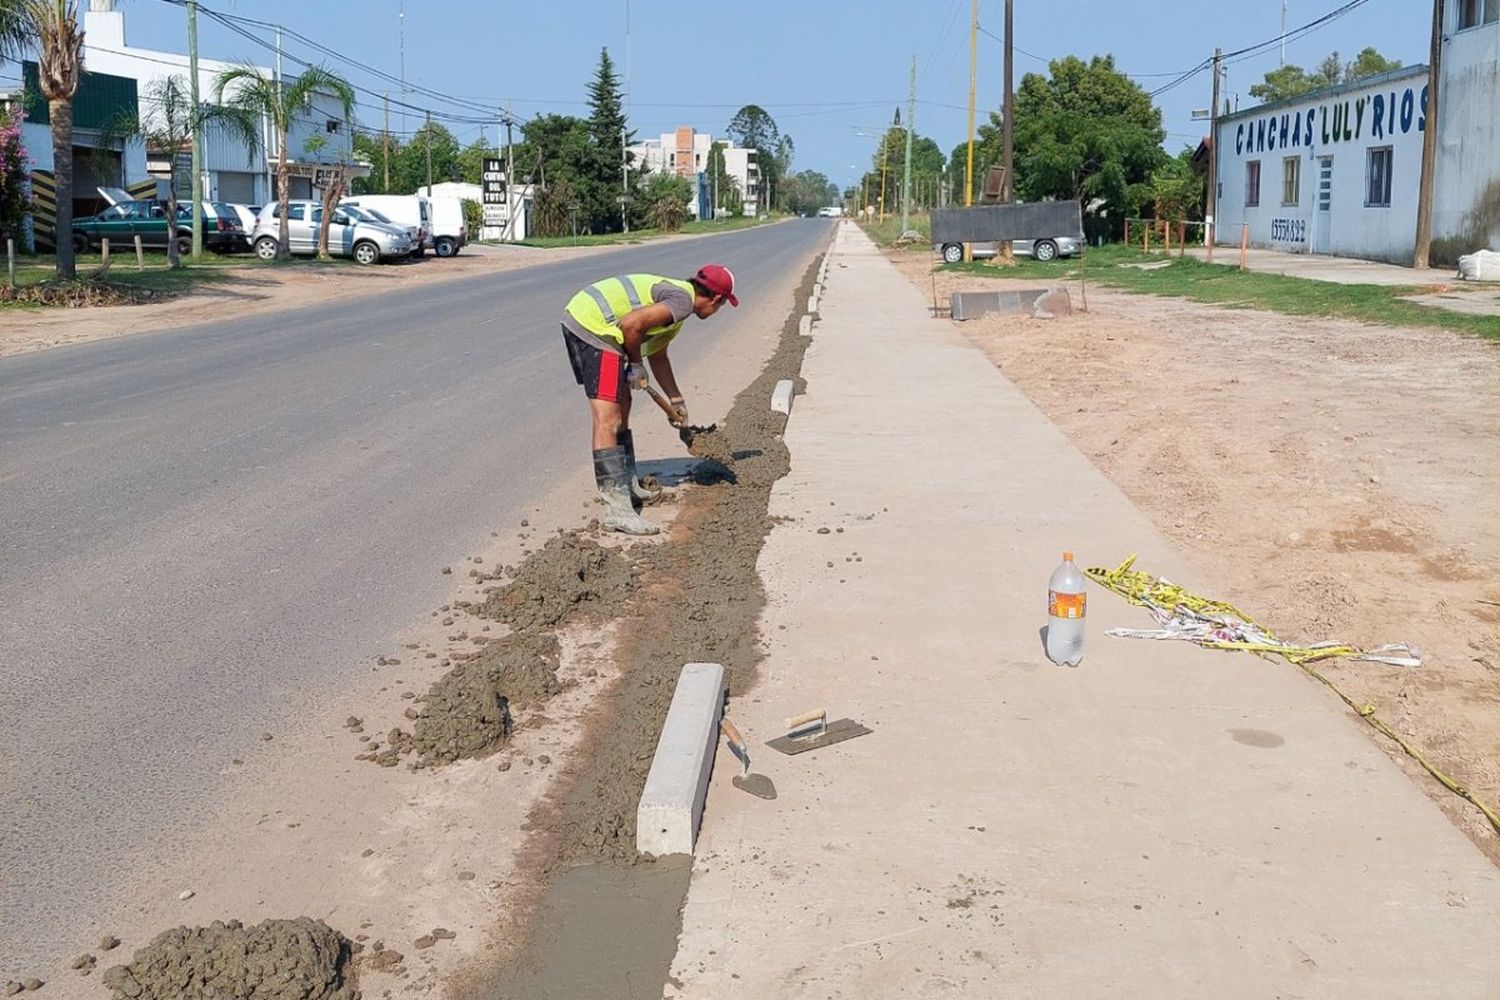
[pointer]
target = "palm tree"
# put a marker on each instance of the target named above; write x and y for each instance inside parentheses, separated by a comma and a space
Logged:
(52, 26)
(255, 93)
(171, 124)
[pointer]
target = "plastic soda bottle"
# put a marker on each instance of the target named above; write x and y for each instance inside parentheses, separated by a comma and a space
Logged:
(1065, 606)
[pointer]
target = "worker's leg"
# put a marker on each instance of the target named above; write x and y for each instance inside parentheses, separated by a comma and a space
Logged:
(609, 420)
(601, 373)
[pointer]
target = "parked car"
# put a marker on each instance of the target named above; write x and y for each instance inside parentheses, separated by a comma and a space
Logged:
(1044, 249)
(249, 215)
(370, 215)
(127, 217)
(367, 242)
(449, 231)
(404, 209)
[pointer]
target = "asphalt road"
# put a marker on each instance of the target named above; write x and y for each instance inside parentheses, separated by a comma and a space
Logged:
(197, 522)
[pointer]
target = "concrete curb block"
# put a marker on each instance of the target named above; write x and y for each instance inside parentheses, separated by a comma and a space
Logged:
(804, 326)
(666, 821)
(781, 397)
(812, 303)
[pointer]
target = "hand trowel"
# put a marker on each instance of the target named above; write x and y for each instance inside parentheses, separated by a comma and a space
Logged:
(756, 784)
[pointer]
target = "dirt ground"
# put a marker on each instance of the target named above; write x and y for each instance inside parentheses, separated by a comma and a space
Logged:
(1334, 480)
(259, 288)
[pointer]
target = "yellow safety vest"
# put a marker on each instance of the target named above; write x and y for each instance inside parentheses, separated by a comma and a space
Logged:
(599, 308)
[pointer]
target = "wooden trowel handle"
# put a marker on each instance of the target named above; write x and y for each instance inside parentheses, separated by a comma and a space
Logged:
(730, 732)
(816, 715)
(660, 400)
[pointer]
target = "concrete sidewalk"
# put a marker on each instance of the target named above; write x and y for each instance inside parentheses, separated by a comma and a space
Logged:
(1159, 822)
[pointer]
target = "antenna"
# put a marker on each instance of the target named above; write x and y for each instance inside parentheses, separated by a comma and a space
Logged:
(403, 64)
(1283, 32)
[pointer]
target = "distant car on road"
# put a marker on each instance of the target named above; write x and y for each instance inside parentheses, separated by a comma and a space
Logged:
(127, 217)
(830, 212)
(1043, 249)
(367, 242)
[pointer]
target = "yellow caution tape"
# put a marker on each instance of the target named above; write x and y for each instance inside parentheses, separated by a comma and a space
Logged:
(1161, 595)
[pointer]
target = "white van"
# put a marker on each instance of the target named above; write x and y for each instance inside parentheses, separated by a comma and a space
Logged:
(449, 232)
(404, 209)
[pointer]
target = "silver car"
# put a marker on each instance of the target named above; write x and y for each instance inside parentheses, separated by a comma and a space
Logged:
(367, 242)
(1044, 249)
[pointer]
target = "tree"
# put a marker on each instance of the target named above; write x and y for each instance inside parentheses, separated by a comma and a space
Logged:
(52, 27)
(806, 192)
(1175, 190)
(607, 176)
(14, 167)
(471, 161)
(753, 128)
(1286, 82)
(170, 126)
(666, 197)
(409, 170)
(280, 102)
(333, 190)
(372, 148)
(1086, 132)
(1368, 63)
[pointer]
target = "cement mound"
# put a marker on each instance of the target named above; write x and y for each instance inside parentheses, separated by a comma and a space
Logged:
(467, 711)
(301, 959)
(569, 575)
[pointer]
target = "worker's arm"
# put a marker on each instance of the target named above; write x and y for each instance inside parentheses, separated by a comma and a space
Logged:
(635, 323)
(661, 367)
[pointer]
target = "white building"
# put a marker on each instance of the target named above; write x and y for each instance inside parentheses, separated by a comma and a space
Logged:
(117, 75)
(686, 151)
(1338, 171)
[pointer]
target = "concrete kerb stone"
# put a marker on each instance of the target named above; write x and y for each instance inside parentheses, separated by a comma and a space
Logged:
(671, 804)
(781, 397)
(812, 303)
(804, 326)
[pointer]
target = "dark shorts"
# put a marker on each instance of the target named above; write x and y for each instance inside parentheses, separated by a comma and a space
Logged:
(600, 372)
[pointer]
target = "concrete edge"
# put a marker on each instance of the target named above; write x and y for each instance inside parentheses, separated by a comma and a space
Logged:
(671, 805)
(804, 326)
(781, 397)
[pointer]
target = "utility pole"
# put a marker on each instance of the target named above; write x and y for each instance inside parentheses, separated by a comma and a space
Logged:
(385, 142)
(1283, 33)
(624, 184)
(196, 139)
(1008, 163)
(973, 73)
(427, 142)
(911, 117)
(1210, 217)
(1429, 141)
(512, 201)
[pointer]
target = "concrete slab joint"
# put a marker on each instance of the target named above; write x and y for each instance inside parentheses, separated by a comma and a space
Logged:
(671, 804)
(781, 397)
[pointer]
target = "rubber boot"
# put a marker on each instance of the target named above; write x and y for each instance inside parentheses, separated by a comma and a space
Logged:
(638, 492)
(612, 475)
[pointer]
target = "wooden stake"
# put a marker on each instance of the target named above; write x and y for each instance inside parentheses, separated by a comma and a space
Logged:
(1182, 239)
(140, 255)
(10, 261)
(1244, 243)
(103, 254)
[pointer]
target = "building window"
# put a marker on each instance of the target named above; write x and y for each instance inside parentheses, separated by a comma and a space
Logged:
(1378, 178)
(1291, 180)
(1472, 13)
(1252, 184)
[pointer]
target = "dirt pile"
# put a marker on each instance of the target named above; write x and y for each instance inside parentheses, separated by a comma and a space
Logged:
(466, 712)
(711, 443)
(568, 576)
(301, 959)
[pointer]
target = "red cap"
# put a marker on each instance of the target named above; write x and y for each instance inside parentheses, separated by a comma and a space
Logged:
(719, 280)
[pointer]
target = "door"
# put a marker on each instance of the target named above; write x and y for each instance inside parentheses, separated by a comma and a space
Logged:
(301, 237)
(1323, 215)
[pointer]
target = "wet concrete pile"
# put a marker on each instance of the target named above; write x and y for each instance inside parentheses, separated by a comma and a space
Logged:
(569, 576)
(301, 959)
(467, 712)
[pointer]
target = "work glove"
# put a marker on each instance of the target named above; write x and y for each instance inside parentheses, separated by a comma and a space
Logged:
(681, 420)
(635, 376)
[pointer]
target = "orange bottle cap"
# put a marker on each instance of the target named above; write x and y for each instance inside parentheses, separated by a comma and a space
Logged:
(1067, 557)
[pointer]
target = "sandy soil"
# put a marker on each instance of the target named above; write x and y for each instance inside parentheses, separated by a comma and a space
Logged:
(1336, 480)
(253, 287)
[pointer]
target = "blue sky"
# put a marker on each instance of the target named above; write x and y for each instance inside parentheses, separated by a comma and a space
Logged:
(825, 69)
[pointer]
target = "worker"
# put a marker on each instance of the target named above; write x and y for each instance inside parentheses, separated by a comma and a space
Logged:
(612, 328)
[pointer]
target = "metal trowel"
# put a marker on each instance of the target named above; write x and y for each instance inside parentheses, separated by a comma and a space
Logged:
(813, 731)
(756, 784)
(687, 434)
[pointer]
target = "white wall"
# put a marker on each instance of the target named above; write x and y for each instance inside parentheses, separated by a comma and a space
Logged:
(1466, 201)
(1343, 123)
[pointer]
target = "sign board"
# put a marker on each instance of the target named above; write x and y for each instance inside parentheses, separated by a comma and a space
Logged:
(492, 181)
(1030, 221)
(495, 215)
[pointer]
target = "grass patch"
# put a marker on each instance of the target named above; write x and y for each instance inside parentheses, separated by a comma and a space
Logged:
(694, 227)
(885, 233)
(36, 285)
(1188, 278)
